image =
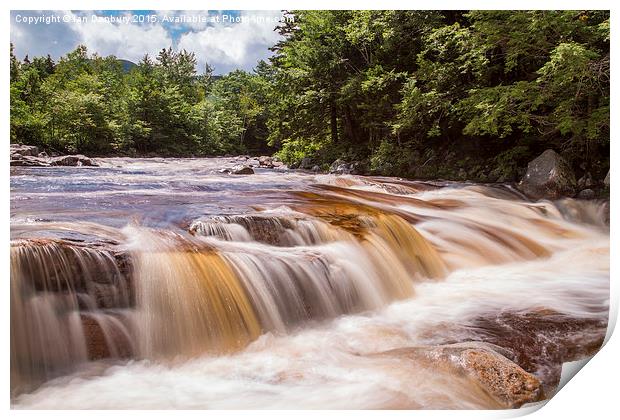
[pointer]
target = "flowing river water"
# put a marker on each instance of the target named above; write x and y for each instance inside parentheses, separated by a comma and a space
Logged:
(163, 283)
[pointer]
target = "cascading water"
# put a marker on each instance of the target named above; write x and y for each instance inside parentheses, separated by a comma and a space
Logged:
(61, 294)
(256, 282)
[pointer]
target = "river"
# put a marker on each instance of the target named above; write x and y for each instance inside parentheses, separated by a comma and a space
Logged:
(164, 283)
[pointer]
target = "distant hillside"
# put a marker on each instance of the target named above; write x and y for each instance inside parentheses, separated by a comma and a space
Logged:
(127, 65)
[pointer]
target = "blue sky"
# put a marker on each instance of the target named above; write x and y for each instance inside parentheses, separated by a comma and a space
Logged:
(226, 39)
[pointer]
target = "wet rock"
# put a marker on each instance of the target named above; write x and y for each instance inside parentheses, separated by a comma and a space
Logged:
(252, 162)
(548, 176)
(606, 180)
(266, 161)
(242, 170)
(276, 164)
(586, 194)
(339, 167)
(501, 378)
(19, 160)
(58, 266)
(269, 229)
(72, 160)
(316, 169)
(103, 345)
(505, 381)
(540, 341)
(24, 150)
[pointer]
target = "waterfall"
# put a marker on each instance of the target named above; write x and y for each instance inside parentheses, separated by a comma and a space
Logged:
(345, 247)
(62, 294)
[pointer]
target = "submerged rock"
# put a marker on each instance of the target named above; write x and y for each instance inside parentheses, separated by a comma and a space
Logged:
(548, 176)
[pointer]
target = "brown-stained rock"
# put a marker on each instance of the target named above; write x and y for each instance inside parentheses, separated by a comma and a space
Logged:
(96, 344)
(540, 342)
(98, 270)
(99, 346)
(503, 380)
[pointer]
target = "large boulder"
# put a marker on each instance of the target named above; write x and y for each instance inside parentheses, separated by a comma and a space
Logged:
(340, 167)
(548, 176)
(24, 150)
(72, 160)
(24, 155)
(27, 160)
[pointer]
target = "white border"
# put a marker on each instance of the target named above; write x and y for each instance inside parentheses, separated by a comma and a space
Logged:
(591, 395)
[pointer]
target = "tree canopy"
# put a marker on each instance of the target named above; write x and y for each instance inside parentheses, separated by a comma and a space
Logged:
(412, 93)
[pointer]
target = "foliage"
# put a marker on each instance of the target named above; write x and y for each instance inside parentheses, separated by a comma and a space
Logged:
(161, 106)
(417, 93)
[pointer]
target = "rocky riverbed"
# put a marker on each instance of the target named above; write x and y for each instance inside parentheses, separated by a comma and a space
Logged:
(199, 288)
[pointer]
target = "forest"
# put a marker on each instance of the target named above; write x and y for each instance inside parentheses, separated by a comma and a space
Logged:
(426, 94)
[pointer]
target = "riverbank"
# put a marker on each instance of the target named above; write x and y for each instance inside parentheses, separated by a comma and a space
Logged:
(547, 176)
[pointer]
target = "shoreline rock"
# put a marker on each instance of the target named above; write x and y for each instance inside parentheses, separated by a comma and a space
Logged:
(548, 176)
(24, 155)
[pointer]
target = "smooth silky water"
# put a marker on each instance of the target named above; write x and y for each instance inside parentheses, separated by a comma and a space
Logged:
(162, 283)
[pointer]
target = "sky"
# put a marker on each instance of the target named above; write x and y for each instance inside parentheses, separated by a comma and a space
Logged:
(227, 40)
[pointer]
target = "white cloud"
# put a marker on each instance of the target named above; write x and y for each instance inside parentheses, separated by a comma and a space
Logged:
(128, 41)
(225, 45)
